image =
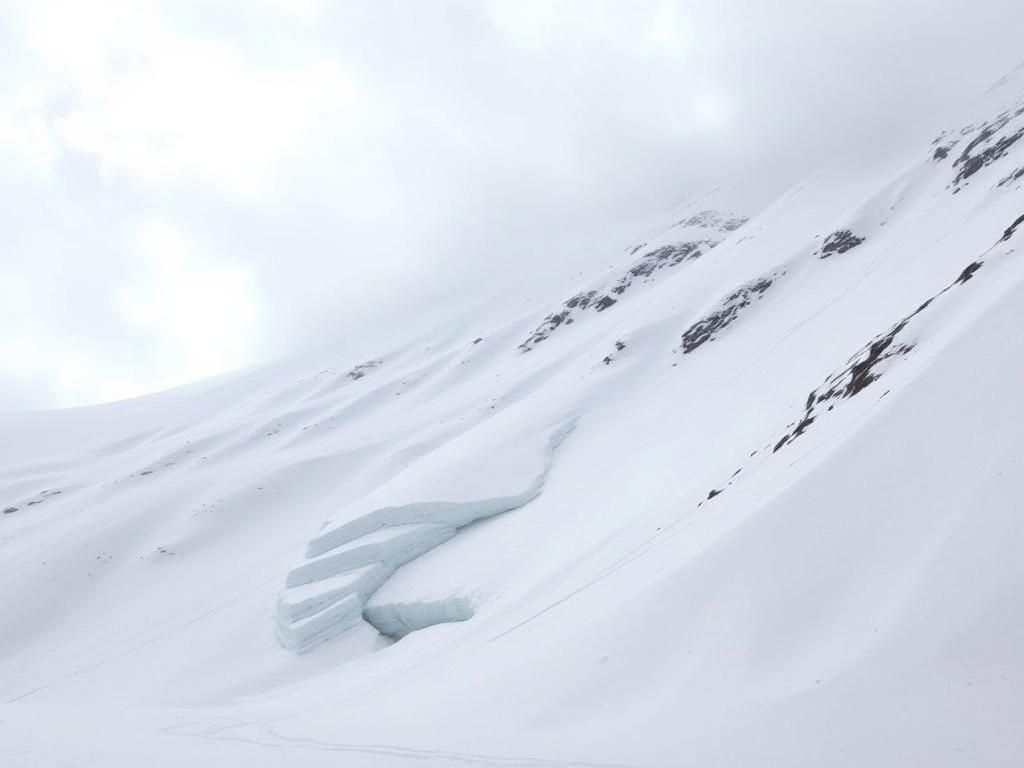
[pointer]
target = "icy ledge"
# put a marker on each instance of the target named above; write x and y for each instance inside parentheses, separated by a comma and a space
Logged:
(396, 620)
(346, 564)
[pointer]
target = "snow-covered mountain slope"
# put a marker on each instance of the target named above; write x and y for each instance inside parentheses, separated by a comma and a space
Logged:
(749, 498)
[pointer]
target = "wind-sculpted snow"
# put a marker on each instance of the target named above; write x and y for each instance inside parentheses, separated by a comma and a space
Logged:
(393, 541)
(302, 601)
(348, 562)
(342, 612)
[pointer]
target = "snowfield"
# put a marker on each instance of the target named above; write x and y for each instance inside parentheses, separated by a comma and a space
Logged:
(751, 497)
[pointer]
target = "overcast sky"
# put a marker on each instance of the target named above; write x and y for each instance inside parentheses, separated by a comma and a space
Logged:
(190, 186)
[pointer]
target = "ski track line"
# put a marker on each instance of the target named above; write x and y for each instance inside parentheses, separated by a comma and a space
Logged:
(669, 532)
(143, 644)
(221, 733)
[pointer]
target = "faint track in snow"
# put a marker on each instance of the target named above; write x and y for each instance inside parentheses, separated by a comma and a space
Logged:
(274, 740)
(143, 644)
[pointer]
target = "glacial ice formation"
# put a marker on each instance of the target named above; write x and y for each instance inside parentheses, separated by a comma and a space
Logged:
(347, 562)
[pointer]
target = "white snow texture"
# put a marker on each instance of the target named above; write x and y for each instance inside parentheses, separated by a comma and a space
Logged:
(750, 497)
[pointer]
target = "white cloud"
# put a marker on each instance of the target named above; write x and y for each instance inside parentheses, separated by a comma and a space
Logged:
(152, 104)
(172, 172)
(203, 312)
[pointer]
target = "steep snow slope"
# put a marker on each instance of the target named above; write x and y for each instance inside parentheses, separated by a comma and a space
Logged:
(758, 507)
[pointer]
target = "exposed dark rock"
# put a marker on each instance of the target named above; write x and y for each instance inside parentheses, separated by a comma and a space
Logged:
(705, 329)
(10, 510)
(975, 163)
(943, 148)
(643, 269)
(362, 369)
(861, 372)
(609, 358)
(864, 367)
(968, 272)
(839, 242)
(581, 300)
(1012, 229)
(43, 496)
(993, 141)
(710, 219)
(545, 329)
(1018, 174)
(660, 258)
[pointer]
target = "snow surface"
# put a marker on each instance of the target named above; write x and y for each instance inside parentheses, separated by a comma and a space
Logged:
(763, 510)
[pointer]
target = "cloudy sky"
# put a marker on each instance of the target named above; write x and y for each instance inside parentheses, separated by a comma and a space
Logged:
(190, 186)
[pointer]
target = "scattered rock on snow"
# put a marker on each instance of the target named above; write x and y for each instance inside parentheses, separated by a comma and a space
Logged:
(840, 241)
(359, 371)
(991, 141)
(643, 270)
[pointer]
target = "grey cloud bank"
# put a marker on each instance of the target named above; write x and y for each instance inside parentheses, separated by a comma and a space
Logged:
(190, 187)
